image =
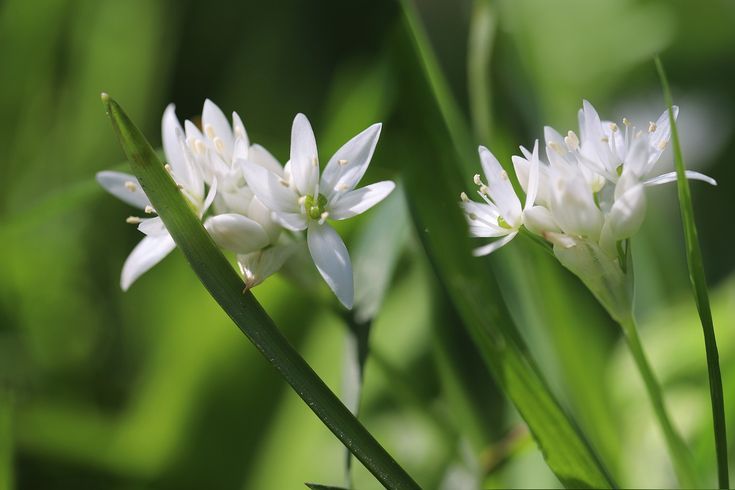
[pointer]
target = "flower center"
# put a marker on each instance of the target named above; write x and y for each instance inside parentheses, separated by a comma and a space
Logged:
(504, 224)
(315, 209)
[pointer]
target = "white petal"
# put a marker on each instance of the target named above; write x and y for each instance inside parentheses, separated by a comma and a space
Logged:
(304, 157)
(271, 189)
(260, 156)
(257, 266)
(153, 227)
(627, 214)
(238, 128)
(358, 201)
(170, 131)
(332, 260)
(533, 178)
(539, 220)
(492, 247)
(150, 251)
(671, 177)
(215, 124)
(636, 160)
(662, 135)
(573, 205)
(124, 187)
(291, 221)
(209, 199)
(500, 189)
(483, 219)
(348, 165)
(236, 233)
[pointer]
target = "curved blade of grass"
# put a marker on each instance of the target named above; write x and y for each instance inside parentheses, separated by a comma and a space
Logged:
(699, 288)
(226, 287)
(469, 281)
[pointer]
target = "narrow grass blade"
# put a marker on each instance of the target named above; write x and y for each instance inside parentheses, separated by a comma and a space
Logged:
(699, 287)
(6, 442)
(433, 181)
(226, 287)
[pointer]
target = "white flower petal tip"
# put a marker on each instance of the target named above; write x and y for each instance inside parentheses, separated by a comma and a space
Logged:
(332, 261)
(304, 157)
(358, 201)
(348, 165)
(150, 251)
(671, 177)
(124, 187)
(494, 246)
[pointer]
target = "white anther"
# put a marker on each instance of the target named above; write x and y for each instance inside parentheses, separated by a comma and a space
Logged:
(572, 140)
(169, 168)
(477, 179)
(483, 189)
(209, 131)
(662, 144)
(180, 187)
(613, 127)
(626, 121)
(149, 210)
(130, 185)
(464, 197)
(342, 162)
(323, 217)
(133, 220)
(651, 127)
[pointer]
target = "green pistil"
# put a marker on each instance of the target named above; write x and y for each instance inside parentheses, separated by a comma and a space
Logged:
(315, 209)
(619, 170)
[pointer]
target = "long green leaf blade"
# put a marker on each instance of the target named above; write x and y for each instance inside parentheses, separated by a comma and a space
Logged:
(699, 288)
(226, 287)
(469, 281)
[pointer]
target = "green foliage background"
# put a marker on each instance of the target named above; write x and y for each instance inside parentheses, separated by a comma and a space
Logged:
(156, 389)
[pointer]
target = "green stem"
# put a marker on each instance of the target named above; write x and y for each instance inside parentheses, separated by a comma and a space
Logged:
(699, 287)
(677, 449)
(227, 288)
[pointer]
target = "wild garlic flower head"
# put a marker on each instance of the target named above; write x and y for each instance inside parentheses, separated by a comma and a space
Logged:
(302, 198)
(586, 200)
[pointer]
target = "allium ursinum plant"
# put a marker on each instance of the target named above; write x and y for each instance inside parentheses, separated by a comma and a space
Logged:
(253, 206)
(586, 201)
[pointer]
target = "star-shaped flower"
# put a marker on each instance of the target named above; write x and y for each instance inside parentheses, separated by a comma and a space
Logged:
(302, 199)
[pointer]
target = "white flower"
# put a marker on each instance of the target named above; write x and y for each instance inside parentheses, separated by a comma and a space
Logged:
(500, 215)
(158, 242)
(610, 150)
(303, 200)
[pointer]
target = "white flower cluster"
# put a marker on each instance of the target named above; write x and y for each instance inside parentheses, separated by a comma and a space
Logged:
(251, 204)
(590, 192)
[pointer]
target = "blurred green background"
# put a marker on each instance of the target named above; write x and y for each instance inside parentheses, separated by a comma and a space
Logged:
(156, 389)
